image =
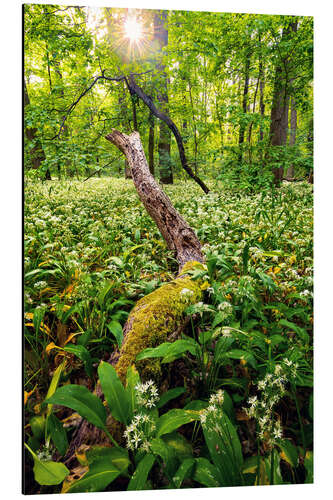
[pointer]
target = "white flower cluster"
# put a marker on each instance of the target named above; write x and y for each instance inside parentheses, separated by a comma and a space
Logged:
(40, 284)
(147, 394)
(272, 389)
(306, 293)
(225, 307)
(45, 454)
(186, 294)
(139, 432)
(209, 414)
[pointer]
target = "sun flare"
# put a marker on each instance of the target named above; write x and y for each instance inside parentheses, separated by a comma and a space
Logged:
(133, 30)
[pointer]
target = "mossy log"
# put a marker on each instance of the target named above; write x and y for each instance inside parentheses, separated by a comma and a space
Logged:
(158, 315)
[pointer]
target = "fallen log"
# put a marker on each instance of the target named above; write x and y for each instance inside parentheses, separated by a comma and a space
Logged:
(158, 315)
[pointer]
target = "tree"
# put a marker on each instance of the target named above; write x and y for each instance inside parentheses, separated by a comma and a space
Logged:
(164, 142)
(36, 152)
(280, 103)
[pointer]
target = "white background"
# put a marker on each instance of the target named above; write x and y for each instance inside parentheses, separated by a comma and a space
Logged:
(11, 243)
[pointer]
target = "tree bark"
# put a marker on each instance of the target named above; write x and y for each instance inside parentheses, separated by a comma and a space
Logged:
(164, 143)
(151, 141)
(292, 139)
(244, 106)
(37, 152)
(280, 104)
(159, 314)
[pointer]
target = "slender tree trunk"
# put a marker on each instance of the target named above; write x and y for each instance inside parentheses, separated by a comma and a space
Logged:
(164, 142)
(151, 142)
(194, 130)
(244, 106)
(292, 139)
(37, 154)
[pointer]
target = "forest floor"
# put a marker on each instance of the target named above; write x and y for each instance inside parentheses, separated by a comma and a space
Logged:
(91, 251)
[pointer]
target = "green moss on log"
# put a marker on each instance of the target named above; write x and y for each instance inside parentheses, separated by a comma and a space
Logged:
(155, 317)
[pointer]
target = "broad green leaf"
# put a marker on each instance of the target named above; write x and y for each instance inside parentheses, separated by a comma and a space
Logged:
(140, 475)
(103, 293)
(173, 419)
(117, 331)
(81, 400)
(37, 424)
(206, 473)
(57, 432)
(180, 347)
(289, 452)
(169, 350)
(222, 347)
(167, 453)
(49, 473)
(179, 443)
(170, 394)
(183, 471)
(114, 392)
(105, 465)
(154, 352)
(196, 405)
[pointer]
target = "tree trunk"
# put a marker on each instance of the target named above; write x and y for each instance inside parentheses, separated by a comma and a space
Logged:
(292, 139)
(244, 106)
(164, 143)
(280, 106)
(159, 314)
(37, 153)
(151, 141)
(194, 129)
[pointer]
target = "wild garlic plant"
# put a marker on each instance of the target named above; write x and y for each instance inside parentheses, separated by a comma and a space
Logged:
(142, 428)
(272, 388)
(209, 414)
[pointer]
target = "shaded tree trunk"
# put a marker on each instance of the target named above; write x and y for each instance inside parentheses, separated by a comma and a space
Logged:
(280, 107)
(194, 130)
(292, 139)
(151, 141)
(244, 106)
(37, 152)
(261, 90)
(164, 142)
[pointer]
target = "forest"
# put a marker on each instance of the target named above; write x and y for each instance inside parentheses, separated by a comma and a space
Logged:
(168, 249)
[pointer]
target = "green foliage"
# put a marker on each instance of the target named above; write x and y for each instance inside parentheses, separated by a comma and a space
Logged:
(91, 251)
